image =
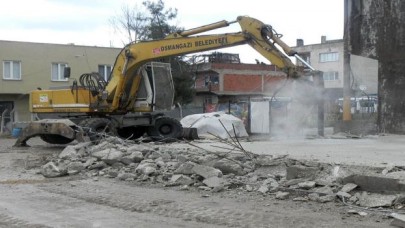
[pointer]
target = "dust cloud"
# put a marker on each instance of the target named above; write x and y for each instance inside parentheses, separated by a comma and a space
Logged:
(294, 108)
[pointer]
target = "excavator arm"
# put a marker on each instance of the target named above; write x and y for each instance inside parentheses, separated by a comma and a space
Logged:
(127, 68)
(103, 108)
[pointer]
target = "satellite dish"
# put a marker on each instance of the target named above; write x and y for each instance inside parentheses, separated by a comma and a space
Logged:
(362, 87)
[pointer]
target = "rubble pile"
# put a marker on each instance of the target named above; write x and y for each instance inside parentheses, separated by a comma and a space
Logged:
(192, 167)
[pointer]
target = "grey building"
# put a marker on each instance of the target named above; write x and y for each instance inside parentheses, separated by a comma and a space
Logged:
(26, 66)
(327, 57)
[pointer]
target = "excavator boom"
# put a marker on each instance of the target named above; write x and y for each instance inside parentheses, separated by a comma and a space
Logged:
(100, 106)
(254, 33)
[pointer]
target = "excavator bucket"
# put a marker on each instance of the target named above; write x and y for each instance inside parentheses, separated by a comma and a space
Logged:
(57, 131)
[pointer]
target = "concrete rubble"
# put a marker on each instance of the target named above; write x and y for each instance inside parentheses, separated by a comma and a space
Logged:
(188, 167)
(398, 221)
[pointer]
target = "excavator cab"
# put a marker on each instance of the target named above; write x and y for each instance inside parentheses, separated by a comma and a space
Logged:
(156, 89)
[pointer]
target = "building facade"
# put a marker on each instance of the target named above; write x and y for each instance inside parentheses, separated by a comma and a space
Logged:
(27, 66)
(327, 57)
(222, 82)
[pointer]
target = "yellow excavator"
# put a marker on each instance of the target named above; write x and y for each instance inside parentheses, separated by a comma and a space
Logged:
(126, 104)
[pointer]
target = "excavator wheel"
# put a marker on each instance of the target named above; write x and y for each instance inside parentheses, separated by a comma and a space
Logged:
(165, 128)
(55, 139)
(97, 128)
(131, 132)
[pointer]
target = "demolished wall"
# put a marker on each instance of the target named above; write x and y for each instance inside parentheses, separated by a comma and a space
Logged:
(377, 30)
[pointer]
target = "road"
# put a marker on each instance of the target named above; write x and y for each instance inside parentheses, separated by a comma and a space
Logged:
(370, 151)
(376, 151)
(28, 199)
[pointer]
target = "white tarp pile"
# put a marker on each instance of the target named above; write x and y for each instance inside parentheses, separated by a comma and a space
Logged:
(209, 124)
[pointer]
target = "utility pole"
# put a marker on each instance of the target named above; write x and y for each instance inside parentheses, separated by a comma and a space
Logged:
(347, 115)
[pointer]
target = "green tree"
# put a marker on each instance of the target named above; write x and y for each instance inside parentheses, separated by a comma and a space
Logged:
(157, 26)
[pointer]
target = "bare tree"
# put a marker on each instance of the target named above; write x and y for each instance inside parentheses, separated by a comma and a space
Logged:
(131, 22)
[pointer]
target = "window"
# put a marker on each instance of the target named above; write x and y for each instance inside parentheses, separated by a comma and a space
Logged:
(331, 76)
(328, 57)
(211, 80)
(57, 72)
(104, 71)
(12, 70)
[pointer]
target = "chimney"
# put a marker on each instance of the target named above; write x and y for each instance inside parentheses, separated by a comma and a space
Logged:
(300, 42)
(323, 39)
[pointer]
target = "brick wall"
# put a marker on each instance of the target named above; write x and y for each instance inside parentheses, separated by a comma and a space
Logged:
(249, 83)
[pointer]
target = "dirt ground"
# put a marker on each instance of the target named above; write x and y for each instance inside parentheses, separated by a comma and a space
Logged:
(28, 199)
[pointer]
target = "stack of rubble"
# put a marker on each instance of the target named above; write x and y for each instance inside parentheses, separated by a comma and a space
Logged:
(188, 167)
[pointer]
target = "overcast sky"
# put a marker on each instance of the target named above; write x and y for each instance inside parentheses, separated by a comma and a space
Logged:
(86, 22)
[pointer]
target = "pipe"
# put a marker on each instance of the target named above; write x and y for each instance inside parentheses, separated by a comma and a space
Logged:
(204, 28)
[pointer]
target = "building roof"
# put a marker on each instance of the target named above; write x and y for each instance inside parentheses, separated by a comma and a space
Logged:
(69, 44)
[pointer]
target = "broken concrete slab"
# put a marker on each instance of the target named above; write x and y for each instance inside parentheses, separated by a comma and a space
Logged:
(143, 147)
(271, 183)
(326, 198)
(226, 166)
(348, 187)
(292, 182)
(282, 195)
(97, 165)
(399, 220)
(321, 199)
(90, 161)
(378, 184)
(396, 175)
(69, 153)
(339, 172)
(99, 147)
(185, 168)
(375, 200)
(180, 179)
(301, 199)
(206, 171)
(264, 160)
(361, 213)
(133, 157)
(160, 163)
(388, 169)
(75, 168)
(313, 196)
(82, 145)
(109, 155)
(307, 185)
(263, 189)
(214, 182)
(54, 169)
(248, 188)
(323, 190)
(146, 167)
(344, 195)
(297, 171)
(126, 176)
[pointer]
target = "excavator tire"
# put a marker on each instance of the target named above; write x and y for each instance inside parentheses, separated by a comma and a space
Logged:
(166, 128)
(97, 128)
(55, 139)
(131, 132)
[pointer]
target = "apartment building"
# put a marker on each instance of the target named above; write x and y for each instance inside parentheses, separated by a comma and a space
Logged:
(327, 57)
(27, 66)
(223, 83)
